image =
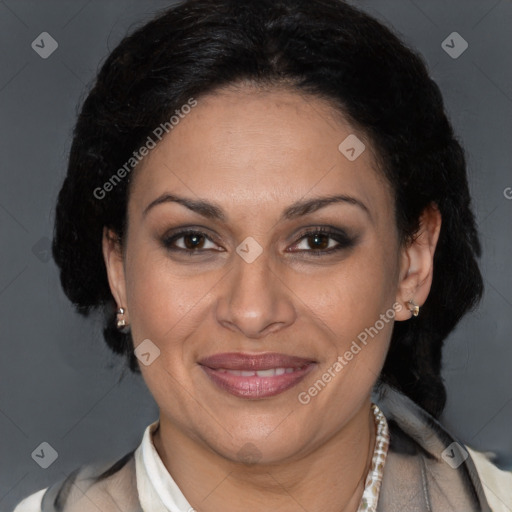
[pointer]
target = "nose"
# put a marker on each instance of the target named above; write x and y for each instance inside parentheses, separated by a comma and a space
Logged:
(255, 301)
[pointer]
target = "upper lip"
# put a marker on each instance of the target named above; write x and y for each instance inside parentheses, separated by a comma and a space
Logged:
(241, 361)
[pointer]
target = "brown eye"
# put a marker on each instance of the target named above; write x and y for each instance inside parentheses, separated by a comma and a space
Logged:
(318, 241)
(323, 241)
(193, 241)
(189, 241)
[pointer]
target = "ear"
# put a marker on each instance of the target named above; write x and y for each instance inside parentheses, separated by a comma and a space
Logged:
(113, 256)
(417, 263)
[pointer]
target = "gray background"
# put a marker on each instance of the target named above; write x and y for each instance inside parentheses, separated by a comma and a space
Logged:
(59, 383)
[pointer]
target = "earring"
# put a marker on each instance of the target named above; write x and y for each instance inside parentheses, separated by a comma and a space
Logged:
(415, 310)
(121, 322)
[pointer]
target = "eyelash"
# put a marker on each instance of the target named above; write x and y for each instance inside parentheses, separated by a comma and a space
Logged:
(343, 240)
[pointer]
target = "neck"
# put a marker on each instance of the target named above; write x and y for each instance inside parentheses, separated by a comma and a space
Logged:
(330, 477)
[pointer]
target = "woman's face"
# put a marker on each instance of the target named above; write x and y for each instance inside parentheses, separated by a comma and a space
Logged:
(250, 280)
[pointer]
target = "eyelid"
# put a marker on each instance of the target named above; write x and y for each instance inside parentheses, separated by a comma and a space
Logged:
(325, 229)
(193, 228)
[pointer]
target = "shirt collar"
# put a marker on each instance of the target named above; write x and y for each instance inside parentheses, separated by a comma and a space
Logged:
(158, 492)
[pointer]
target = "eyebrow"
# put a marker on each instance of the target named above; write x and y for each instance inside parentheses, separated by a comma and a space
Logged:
(297, 209)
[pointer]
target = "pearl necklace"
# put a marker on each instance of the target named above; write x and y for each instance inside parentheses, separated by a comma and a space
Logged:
(374, 478)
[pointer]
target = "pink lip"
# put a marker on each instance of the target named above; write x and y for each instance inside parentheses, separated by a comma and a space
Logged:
(253, 387)
(241, 361)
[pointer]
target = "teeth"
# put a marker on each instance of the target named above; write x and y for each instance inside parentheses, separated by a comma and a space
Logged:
(272, 372)
(268, 373)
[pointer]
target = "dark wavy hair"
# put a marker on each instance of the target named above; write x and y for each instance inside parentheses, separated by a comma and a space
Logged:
(324, 48)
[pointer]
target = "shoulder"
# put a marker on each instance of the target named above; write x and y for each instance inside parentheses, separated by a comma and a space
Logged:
(91, 487)
(497, 483)
(31, 503)
(111, 483)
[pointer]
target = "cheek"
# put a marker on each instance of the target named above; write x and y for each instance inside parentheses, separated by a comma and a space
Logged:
(157, 298)
(355, 302)
(351, 295)
(166, 306)
(153, 305)
(160, 306)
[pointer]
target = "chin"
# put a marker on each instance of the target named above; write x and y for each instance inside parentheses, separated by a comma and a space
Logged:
(267, 446)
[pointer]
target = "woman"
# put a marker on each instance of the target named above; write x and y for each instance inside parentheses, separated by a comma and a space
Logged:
(268, 202)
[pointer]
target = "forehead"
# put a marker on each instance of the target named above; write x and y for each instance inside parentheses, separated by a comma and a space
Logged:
(248, 149)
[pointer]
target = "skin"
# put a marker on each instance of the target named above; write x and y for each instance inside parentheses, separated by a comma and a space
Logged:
(253, 153)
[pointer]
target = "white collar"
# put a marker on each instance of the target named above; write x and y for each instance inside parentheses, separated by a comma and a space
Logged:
(158, 492)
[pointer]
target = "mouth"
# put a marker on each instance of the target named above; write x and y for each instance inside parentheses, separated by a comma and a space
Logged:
(254, 376)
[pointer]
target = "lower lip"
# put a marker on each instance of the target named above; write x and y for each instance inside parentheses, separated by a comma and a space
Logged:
(254, 386)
